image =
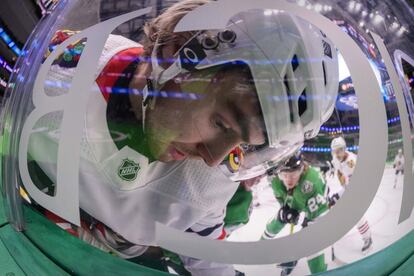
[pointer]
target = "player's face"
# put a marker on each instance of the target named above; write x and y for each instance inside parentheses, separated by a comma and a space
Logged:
(205, 117)
(339, 153)
(290, 179)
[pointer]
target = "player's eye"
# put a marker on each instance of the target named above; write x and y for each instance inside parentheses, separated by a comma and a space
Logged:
(218, 122)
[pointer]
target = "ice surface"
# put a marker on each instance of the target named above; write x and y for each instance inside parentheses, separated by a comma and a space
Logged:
(382, 217)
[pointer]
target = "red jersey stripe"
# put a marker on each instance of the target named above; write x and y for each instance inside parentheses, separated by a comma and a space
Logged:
(114, 68)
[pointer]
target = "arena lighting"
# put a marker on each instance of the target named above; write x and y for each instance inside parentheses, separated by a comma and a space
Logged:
(318, 7)
(3, 83)
(358, 7)
(4, 64)
(395, 25)
(351, 6)
(361, 23)
(352, 148)
(401, 31)
(377, 19)
(7, 39)
(354, 128)
(396, 141)
(302, 3)
(311, 149)
(364, 13)
(268, 12)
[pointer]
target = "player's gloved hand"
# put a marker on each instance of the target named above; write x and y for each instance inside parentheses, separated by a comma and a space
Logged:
(288, 215)
(333, 199)
(239, 273)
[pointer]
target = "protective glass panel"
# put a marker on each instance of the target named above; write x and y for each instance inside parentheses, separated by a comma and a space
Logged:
(123, 115)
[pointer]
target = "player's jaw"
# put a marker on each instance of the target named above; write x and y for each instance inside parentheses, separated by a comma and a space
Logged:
(290, 184)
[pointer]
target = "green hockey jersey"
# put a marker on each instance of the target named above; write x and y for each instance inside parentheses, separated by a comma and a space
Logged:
(308, 195)
(239, 208)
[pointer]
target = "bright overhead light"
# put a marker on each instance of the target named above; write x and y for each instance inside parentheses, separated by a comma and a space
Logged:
(318, 7)
(268, 12)
(302, 3)
(361, 23)
(377, 19)
(401, 31)
(371, 15)
(395, 25)
(358, 7)
(351, 5)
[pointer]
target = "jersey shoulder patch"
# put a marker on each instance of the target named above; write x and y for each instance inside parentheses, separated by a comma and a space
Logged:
(307, 187)
(312, 182)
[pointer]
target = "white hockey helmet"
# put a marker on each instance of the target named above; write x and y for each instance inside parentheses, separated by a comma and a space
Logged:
(294, 67)
(338, 143)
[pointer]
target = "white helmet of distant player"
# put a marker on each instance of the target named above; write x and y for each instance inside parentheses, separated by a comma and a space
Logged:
(338, 143)
(295, 71)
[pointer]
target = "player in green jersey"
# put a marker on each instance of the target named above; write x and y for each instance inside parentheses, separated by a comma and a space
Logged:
(240, 206)
(298, 188)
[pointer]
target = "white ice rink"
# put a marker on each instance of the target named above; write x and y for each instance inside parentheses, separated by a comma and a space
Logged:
(382, 217)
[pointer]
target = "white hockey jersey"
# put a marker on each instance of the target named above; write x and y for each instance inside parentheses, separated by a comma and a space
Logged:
(399, 162)
(345, 167)
(186, 195)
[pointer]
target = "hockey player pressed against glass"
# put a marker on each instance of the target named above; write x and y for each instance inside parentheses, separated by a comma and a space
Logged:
(182, 118)
(201, 94)
(226, 114)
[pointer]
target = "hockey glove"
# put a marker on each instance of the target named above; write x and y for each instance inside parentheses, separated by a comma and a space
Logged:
(288, 215)
(333, 199)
